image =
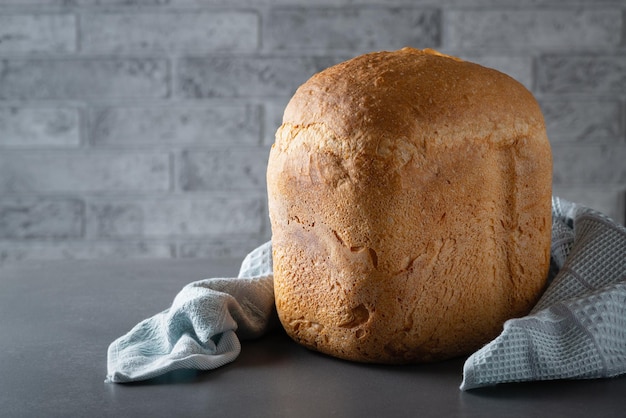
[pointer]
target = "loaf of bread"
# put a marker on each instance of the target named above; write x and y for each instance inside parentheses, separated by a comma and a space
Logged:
(409, 196)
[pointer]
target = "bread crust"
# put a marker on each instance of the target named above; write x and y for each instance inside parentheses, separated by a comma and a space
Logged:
(409, 198)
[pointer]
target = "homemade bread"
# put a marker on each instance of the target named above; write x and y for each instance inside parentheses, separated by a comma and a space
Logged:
(409, 197)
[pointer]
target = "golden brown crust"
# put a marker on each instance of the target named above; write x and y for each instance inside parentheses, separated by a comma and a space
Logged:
(409, 197)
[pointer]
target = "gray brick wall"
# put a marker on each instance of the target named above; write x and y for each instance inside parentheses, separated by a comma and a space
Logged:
(141, 128)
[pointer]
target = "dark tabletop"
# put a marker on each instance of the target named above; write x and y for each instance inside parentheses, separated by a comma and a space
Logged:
(58, 318)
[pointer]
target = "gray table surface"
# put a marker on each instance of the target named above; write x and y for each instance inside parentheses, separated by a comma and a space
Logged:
(57, 319)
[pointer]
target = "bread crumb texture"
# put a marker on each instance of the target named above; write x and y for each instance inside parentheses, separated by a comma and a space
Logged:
(409, 198)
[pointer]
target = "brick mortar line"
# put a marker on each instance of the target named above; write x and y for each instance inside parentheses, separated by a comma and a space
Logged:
(231, 238)
(35, 8)
(165, 195)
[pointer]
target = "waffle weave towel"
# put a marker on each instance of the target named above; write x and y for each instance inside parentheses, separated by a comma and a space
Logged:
(201, 328)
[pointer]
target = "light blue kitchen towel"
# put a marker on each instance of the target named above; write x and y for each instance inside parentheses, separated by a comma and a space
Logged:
(201, 329)
(577, 329)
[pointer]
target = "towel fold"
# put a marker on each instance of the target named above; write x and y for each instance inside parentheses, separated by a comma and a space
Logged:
(201, 329)
(576, 330)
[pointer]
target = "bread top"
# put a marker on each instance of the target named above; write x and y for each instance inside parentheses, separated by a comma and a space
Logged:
(384, 102)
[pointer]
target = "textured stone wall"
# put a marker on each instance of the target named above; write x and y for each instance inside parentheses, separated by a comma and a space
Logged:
(141, 128)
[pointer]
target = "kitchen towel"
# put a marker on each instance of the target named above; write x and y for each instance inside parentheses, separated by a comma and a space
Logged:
(201, 329)
(577, 329)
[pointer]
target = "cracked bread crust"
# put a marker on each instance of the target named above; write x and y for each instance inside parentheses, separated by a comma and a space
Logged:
(409, 199)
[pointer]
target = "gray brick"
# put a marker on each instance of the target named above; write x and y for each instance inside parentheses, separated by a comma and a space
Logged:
(16, 252)
(175, 216)
(219, 248)
(171, 31)
(83, 171)
(583, 120)
(353, 29)
(232, 169)
(243, 76)
(597, 74)
(532, 28)
(609, 201)
(26, 127)
(43, 217)
(81, 78)
(177, 125)
(589, 164)
(37, 33)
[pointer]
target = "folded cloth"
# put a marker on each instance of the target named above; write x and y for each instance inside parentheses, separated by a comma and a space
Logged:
(201, 328)
(577, 330)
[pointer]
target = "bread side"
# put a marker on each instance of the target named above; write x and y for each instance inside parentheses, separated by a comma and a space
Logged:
(409, 198)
